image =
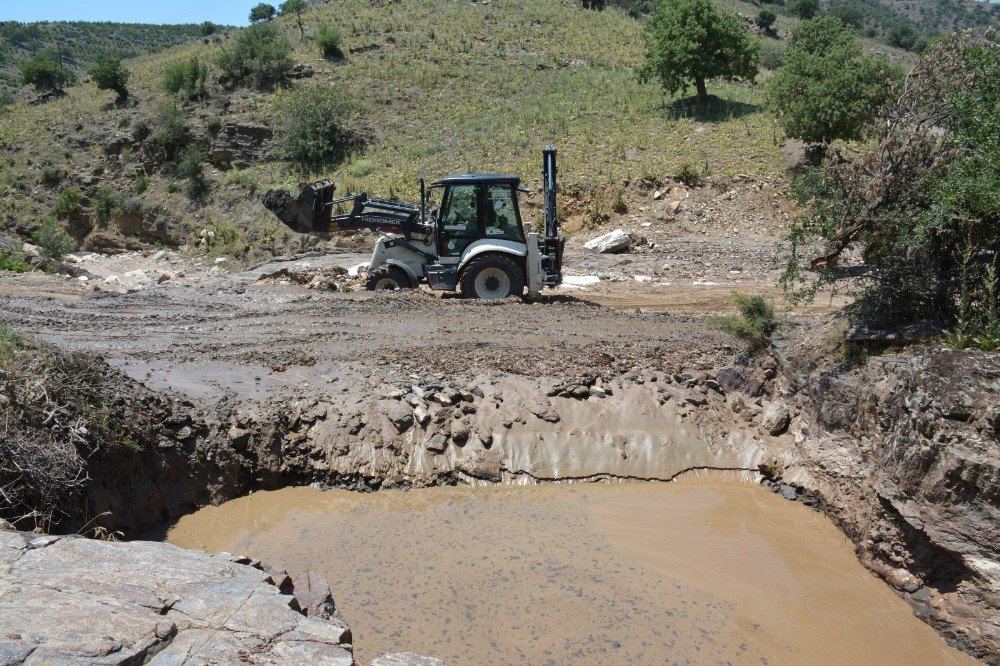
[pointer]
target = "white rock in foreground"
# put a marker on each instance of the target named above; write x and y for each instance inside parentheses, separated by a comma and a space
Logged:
(70, 600)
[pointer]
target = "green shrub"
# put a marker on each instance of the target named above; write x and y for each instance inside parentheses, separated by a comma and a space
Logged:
(689, 175)
(361, 168)
(904, 36)
(107, 202)
(755, 323)
(804, 9)
(692, 41)
(68, 202)
(13, 262)
(169, 128)
(192, 167)
(44, 72)
(329, 40)
(766, 19)
(261, 53)
(310, 126)
(110, 74)
(619, 206)
(52, 241)
(187, 76)
(213, 125)
(851, 15)
(828, 89)
(51, 175)
(208, 28)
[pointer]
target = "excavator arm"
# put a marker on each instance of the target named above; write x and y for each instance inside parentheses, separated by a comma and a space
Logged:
(312, 211)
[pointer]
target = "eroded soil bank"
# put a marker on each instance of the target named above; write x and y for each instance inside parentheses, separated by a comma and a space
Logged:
(696, 571)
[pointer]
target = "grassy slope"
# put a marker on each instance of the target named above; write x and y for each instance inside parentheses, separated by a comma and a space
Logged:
(454, 86)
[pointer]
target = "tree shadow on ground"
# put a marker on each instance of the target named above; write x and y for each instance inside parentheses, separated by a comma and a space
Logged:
(713, 110)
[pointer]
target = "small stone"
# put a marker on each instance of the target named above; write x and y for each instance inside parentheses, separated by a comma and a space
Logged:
(437, 444)
(695, 398)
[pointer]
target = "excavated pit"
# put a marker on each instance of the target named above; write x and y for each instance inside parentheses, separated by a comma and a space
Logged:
(709, 569)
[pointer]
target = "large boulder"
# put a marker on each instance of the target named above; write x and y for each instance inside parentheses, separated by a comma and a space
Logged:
(74, 600)
(616, 241)
(775, 418)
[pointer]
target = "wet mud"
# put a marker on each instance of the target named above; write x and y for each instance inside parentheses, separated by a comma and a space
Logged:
(704, 570)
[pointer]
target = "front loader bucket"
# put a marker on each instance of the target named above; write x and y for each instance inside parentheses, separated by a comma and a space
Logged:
(308, 211)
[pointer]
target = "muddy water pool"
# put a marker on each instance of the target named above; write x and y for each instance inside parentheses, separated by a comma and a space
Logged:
(702, 571)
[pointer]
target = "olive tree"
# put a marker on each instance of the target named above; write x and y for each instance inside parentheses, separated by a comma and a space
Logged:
(919, 209)
(296, 7)
(262, 12)
(110, 74)
(692, 41)
(827, 88)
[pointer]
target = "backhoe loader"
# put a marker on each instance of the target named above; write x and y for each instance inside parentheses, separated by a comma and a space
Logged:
(473, 240)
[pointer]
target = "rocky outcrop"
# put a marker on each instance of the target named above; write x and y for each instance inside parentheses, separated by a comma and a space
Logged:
(72, 600)
(905, 453)
(240, 145)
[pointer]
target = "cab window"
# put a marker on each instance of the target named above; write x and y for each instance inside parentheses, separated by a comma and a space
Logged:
(459, 219)
(502, 219)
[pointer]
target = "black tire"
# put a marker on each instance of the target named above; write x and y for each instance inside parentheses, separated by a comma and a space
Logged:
(491, 277)
(387, 277)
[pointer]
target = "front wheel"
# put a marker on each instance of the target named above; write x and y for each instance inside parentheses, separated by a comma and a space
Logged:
(492, 277)
(387, 278)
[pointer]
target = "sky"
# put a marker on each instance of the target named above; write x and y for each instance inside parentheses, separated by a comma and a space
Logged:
(228, 12)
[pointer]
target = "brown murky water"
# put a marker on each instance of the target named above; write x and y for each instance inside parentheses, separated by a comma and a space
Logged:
(702, 572)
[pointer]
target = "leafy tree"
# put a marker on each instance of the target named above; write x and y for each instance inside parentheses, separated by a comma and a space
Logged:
(329, 39)
(904, 36)
(804, 9)
(110, 74)
(920, 211)
(45, 73)
(208, 28)
(261, 52)
(311, 126)
(691, 41)
(827, 89)
(766, 19)
(597, 5)
(262, 12)
(289, 7)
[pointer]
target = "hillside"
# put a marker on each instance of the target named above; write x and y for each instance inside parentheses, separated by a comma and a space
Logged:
(942, 16)
(446, 86)
(82, 44)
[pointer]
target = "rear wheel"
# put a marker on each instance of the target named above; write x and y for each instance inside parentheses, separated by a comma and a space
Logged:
(387, 278)
(492, 277)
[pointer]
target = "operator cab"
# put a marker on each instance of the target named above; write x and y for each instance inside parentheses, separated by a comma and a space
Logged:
(476, 206)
